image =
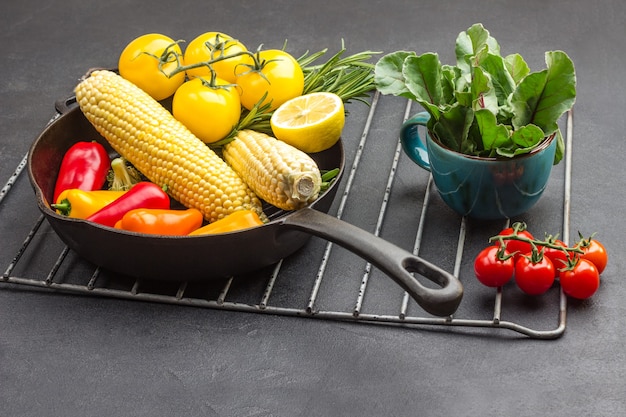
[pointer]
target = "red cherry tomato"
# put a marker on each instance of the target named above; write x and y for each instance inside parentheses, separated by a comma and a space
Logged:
(534, 278)
(582, 281)
(595, 252)
(517, 247)
(491, 270)
(558, 257)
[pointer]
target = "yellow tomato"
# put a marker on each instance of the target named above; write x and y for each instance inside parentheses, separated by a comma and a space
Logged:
(209, 111)
(149, 60)
(213, 45)
(276, 74)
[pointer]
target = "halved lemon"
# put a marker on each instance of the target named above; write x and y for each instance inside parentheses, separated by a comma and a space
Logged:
(312, 122)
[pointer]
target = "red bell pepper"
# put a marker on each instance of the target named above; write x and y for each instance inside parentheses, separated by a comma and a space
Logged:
(84, 166)
(142, 195)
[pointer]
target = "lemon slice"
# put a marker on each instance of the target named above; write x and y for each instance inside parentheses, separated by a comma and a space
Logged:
(311, 122)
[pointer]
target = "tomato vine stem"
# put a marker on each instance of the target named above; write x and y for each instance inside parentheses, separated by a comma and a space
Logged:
(350, 77)
(182, 68)
(536, 254)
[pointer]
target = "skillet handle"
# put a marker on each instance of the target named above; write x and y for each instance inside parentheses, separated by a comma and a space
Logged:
(64, 106)
(394, 261)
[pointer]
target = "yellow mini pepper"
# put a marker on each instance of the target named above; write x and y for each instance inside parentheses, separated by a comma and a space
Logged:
(81, 204)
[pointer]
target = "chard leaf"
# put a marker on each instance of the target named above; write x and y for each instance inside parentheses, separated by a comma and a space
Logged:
(388, 75)
(464, 98)
(503, 82)
(470, 42)
(464, 82)
(423, 77)
(560, 147)
(463, 90)
(526, 97)
(505, 113)
(520, 150)
(542, 97)
(453, 126)
(510, 152)
(448, 83)
(517, 67)
(483, 93)
(477, 59)
(528, 136)
(493, 135)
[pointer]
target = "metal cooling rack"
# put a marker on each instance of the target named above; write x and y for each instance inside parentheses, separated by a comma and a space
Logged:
(92, 281)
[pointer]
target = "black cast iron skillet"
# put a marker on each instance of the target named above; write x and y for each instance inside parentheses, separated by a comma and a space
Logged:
(206, 257)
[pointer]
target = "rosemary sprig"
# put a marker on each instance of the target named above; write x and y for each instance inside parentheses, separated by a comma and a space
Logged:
(350, 77)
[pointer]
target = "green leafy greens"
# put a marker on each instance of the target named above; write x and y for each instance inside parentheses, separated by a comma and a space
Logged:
(486, 105)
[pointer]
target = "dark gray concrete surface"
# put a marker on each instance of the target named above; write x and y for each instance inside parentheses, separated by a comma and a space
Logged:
(68, 355)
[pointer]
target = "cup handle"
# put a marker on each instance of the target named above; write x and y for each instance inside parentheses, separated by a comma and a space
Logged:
(412, 143)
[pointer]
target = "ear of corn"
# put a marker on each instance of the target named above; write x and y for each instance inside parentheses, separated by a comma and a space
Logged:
(277, 172)
(160, 147)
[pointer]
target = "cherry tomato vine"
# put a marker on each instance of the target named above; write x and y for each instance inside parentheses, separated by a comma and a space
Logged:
(535, 264)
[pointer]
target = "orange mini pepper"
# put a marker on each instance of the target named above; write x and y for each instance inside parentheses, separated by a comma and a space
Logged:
(170, 222)
(238, 220)
(80, 204)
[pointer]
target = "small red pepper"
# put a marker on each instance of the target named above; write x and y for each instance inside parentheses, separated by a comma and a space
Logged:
(142, 195)
(84, 166)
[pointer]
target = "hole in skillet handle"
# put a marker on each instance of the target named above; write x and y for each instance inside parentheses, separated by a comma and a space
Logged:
(394, 261)
(65, 105)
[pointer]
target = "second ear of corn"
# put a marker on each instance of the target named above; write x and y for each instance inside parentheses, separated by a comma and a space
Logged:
(277, 172)
(145, 133)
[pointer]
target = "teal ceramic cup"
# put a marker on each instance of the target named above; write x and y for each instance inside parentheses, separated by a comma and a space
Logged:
(476, 187)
